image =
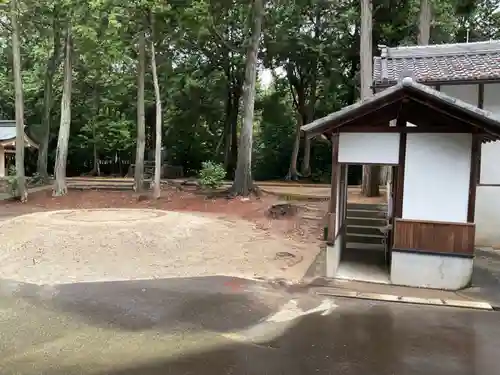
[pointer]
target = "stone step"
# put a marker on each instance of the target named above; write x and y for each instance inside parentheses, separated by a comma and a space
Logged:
(365, 238)
(364, 246)
(312, 217)
(364, 229)
(366, 213)
(104, 180)
(367, 206)
(120, 187)
(366, 221)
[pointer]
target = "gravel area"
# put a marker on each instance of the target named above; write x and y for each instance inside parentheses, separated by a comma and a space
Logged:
(120, 244)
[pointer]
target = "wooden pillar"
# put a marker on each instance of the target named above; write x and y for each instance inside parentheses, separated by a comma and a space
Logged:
(399, 188)
(475, 165)
(2, 161)
(332, 211)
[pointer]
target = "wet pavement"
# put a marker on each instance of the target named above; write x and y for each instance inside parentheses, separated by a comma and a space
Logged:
(221, 325)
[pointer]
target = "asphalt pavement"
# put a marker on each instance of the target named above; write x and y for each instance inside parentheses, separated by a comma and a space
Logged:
(222, 325)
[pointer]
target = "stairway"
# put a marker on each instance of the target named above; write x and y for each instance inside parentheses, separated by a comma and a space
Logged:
(364, 224)
(100, 183)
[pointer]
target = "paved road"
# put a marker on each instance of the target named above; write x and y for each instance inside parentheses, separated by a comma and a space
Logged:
(218, 326)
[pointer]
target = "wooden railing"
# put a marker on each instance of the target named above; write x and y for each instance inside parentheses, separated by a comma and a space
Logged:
(434, 236)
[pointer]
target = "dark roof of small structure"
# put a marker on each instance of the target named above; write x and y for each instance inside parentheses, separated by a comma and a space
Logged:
(7, 130)
(8, 133)
(441, 63)
(420, 104)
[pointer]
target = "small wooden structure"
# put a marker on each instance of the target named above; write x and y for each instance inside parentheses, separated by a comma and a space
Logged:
(8, 142)
(431, 141)
(469, 72)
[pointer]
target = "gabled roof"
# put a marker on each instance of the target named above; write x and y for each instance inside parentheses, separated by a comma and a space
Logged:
(8, 134)
(419, 103)
(441, 63)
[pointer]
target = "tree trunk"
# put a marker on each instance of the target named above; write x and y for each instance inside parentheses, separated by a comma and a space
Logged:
(157, 186)
(292, 170)
(60, 187)
(371, 174)
(233, 158)
(424, 24)
(243, 183)
(48, 102)
(96, 171)
(371, 180)
(141, 117)
(306, 161)
(18, 85)
(226, 136)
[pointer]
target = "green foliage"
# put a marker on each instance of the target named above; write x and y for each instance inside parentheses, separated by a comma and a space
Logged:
(311, 46)
(211, 175)
(274, 142)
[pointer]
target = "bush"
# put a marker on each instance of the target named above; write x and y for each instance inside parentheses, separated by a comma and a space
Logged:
(211, 175)
(12, 182)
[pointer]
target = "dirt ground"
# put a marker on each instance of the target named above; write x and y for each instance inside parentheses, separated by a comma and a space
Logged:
(219, 236)
(253, 210)
(196, 237)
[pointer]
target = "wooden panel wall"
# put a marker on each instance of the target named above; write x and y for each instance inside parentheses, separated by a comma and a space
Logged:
(431, 236)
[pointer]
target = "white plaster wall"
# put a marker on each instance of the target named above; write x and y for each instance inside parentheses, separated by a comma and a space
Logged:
(430, 271)
(466, 93)
(490, 152)
(437, 174)
(487, 215)
(333, 253)
(374, 148)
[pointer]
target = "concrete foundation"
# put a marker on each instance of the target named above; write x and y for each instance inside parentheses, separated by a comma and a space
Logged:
(430, 270)
(333, 253)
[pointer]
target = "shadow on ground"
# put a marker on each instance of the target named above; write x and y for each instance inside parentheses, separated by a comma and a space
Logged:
(205, 303)
(375, 341)
(190, 327)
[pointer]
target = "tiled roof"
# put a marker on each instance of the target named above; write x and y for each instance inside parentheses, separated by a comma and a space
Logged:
(8, 133)
(438, 63)
(394, 100)
(7, 130)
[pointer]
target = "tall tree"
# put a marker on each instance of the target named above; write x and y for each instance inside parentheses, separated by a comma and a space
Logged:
(19, 102)
(60, 187)
(52, 64)
(424, 23)
(158, 134)
(243, 183)
(141, 121)
(371, 174)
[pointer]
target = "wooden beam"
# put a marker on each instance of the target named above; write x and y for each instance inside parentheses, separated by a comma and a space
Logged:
(2, 161)
(332, 210)
(325, 124)
(480, 104)
(474, 171)
(459, 119)
(407, 129)
(398, 197)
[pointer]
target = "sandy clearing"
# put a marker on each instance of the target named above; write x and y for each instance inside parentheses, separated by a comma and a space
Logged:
(122, 244)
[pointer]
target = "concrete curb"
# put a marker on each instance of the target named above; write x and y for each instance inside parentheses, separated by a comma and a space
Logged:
(477, 305)
(296, 196)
